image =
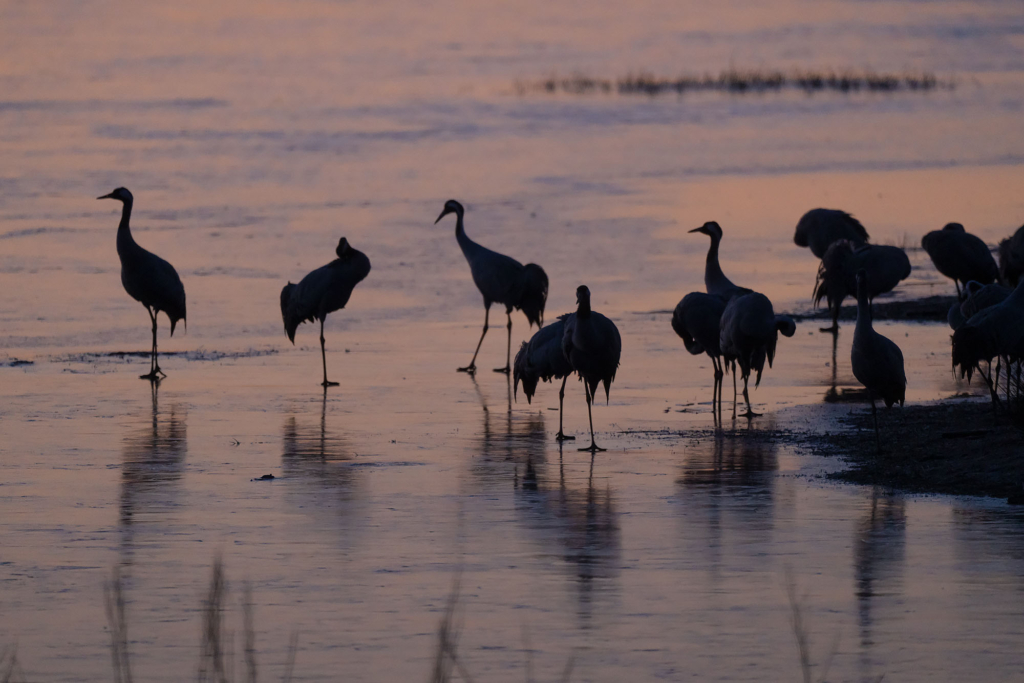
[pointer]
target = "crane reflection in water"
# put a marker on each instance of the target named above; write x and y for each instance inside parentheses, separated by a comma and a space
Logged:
(153, 459)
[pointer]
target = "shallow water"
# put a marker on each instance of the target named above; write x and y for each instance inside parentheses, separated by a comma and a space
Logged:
(254, 137)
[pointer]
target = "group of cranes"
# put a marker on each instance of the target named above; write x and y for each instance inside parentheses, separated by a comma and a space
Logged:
(733, 325)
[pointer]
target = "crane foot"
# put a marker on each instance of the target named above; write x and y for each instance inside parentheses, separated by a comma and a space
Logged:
(833, 329)
(593, 448)
(153, 376)
(504, 370)
(562, 437)
(469, 369)
(325, 383)
(750, 413)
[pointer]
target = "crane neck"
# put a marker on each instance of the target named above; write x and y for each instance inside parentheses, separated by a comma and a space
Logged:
(714, 279)
(863, 309)
(461, 236)
(583, 309)
(124, 233)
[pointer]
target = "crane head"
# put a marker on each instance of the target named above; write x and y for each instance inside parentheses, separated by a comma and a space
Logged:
(711, 228)
(954, 227)
(582, 294)
(343, 248)
(120, 193)
(450, 206)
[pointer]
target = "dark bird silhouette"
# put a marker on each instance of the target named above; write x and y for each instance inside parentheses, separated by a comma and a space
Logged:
(837, 275)
(324, 290)
(877, 361)
(748, 334)
(697, 319)
(147, 278)
(819, 228)
(993, 332)
(977, 297)
(542, 358)
(592, 344)
(502, 280)
(715, 281)
(1011, 258)
(960, 256)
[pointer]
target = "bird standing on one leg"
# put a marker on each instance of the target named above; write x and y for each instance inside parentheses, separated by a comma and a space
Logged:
(886, 267)
(960, 256)
(147, 278)
(502, 280)
(877, 361)
(542, 359)
(324, 290)
(592, 344)
(819, 228)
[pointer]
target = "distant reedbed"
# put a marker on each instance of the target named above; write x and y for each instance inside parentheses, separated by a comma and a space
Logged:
(738, 82)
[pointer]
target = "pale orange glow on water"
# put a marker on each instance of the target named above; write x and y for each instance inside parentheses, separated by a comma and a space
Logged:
(254, 135)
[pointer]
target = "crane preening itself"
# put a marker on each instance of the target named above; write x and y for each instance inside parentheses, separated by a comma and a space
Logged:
(592, 345)
(147, 278)
(885, 266)
(819, 228)
(324, 290)
(749, 332)
(877, 361)
(697, 319)
(542, 358)
(960, 256)
(996, 331)
(502, 280)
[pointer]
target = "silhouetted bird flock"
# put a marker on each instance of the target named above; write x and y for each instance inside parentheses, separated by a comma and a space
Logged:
(735, 326)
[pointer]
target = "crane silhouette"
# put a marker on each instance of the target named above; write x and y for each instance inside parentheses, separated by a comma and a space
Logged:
(993, 332)
(749, 332)
(960, 256)
(147, 278)
(885, 266)
(322, 291)
(819, 228)
(715, 281)
(1011, 258)
(876, 360)
(501, 279)
(697, 319)
(593, 346)
(542, 359)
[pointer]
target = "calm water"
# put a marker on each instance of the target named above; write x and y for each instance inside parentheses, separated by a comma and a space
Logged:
(254, 137)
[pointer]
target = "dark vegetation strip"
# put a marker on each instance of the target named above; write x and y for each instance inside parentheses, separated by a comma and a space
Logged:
(739, 82)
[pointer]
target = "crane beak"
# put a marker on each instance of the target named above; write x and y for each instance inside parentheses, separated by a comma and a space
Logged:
(700, 229)
(443, 214)
(107, 196)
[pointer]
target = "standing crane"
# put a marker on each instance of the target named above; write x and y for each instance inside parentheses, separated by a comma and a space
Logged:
(885, 266)
(697, 319)
(147, 278)
(748, 334)
(502, 280)
(593, 346)
(877, 361)
(542, 359)
(819, 228)
(960, 256)
(324, 290)
(993, 332)
(715, 281)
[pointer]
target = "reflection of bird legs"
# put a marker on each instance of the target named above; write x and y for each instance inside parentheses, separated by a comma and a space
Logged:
(155, 373)
(479, 394)
(590, 399)
(561, 399)
(323, 355)
(508, 350)
(874, 415)
(471, 368)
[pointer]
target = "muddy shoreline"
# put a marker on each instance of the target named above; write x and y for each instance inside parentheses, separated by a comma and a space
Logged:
(954, 447)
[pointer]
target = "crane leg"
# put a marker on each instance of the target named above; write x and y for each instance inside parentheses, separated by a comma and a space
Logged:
(734, 395)
(323, 356)
(959, 294)
(155, 373)
(834, 310)
(746, 397)
(561, 395)
(471, 368)
(508, 351)
(874, 415)
(593, 446)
